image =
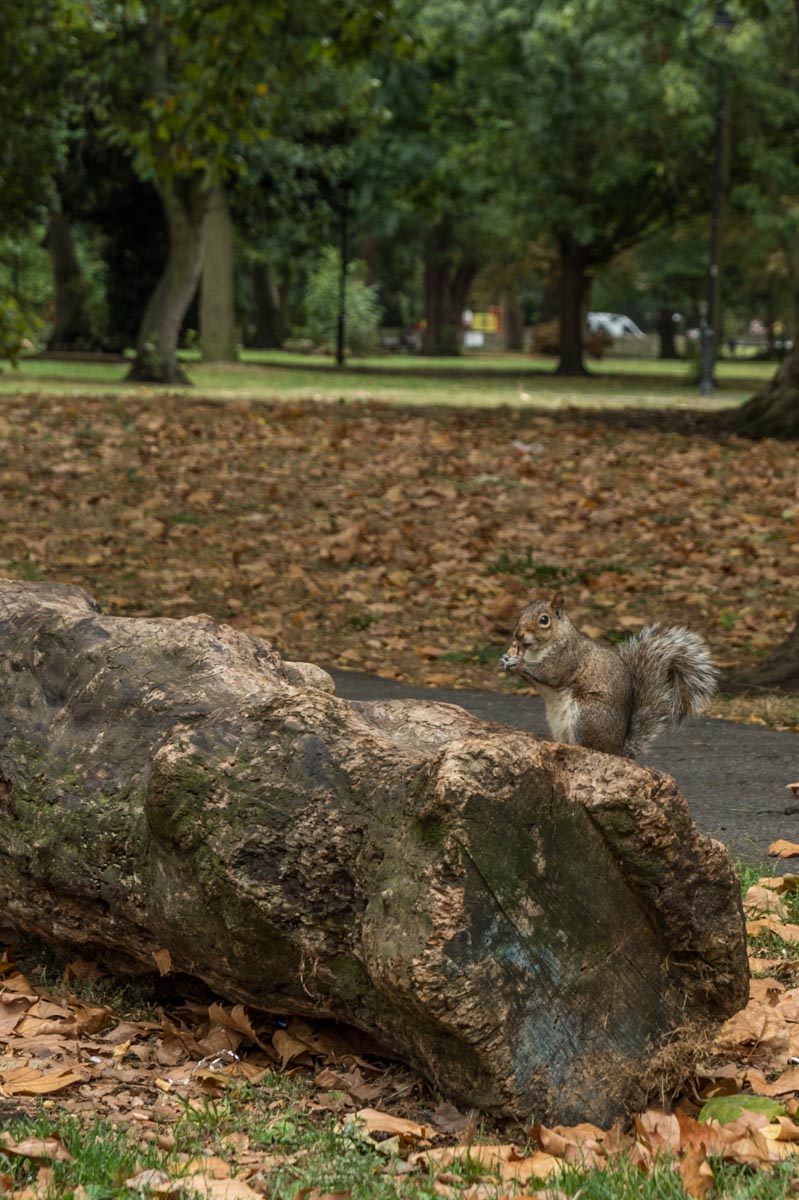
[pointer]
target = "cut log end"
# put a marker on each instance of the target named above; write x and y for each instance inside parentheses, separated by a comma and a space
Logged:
(538, 928)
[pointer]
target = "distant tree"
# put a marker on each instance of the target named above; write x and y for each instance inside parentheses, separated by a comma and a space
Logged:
(772, 191)
(425, 191)
(600, 112)
(190, 88)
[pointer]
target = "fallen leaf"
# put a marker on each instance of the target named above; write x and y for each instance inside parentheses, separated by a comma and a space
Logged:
(725, 1109)
(288, 1047)
(52, 1149)
(28, 1081)
(380, 1122)
(163, 960)
(784, 849)
(208, 1188)
(696, 1173)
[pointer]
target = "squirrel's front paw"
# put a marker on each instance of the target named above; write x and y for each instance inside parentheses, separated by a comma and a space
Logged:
(509, 661)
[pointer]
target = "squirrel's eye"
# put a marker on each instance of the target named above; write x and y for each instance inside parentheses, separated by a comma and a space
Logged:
(543, 620)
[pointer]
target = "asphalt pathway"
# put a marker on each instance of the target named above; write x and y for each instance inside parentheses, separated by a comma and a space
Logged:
(734, 776)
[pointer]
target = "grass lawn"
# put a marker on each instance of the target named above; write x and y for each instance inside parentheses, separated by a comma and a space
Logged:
(516, 380)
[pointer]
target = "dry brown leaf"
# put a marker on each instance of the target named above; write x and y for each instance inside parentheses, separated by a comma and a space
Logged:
(658, 1129)
(152, 1180)
(163, 960)
(696, 1173)
(779, 883)
(28, 1081)
(79, 970)
(308, 1193)
(770, 924)
(759, 1030)
(289, 1048)
(51, 1149)
(237, 1019)
(208, 1188)
(783, 1085)
(783, 849)
(492, 1157)
(762, 900)
(380, 1122)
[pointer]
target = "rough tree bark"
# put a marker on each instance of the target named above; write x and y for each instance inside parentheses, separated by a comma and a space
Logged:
(573, 292)
(218, 339)
(186, 206)
(538, 928)
(448, 275)
(270, 328)
(779, 670)
(512, 323)
(667, 347)
(71, 325)
(774, 410)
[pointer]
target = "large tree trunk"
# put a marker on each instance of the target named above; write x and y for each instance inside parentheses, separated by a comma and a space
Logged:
(447, 278)
(218, 339)
(780, 669)
(186, 207)
(774, 410)
(512, 323)
(573, 292)
(667, 348)
(538, 928)
(269, 331)
(71, 325)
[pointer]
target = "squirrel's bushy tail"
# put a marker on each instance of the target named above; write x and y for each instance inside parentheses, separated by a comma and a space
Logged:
(673, 678)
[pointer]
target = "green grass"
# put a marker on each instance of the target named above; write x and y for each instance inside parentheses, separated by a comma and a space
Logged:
(327, 1153)
(490, 381)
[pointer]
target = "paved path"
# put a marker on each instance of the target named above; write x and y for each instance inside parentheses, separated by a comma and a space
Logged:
(733, 776)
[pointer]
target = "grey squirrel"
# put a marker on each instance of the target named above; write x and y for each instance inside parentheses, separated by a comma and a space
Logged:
(607, 698)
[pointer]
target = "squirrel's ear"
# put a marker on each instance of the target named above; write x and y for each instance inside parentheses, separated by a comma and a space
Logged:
(558, 603)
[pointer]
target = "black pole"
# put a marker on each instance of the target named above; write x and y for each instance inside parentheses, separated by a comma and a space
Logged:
(341, 333)
(709, 349)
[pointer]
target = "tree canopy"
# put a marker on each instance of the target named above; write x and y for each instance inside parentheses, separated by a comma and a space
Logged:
(532, 148)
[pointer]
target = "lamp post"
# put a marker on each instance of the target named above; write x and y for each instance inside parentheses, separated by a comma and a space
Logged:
(721, 21)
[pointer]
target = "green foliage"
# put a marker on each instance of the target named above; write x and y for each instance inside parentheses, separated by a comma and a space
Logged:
(322, 305)
(13, 329)
(729, 1108)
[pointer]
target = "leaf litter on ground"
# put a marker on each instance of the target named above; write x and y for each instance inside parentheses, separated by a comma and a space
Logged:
(406, 539)
(742, 1107)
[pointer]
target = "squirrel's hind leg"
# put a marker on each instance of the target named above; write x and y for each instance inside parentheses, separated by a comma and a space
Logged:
(601, 727)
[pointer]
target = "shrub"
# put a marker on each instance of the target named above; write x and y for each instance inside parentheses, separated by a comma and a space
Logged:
(13, 329)
(322, 306)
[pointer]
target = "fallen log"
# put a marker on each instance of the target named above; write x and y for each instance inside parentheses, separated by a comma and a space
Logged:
(538, 928)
